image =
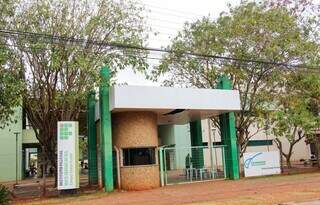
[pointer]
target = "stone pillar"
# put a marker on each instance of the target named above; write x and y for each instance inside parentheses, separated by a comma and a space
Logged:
(228, 136)
(136, 130)
(92, 139)
(105, 131)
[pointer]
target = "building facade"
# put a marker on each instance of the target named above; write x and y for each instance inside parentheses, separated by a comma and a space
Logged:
(178, 136)
(18, 148)
(125, 133)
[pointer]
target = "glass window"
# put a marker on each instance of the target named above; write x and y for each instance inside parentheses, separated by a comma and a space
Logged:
(138, 156)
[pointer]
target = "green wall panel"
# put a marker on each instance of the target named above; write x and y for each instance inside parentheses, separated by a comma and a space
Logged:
(8, 149)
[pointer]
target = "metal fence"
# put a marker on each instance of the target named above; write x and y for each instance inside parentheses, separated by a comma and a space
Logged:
(191, 164)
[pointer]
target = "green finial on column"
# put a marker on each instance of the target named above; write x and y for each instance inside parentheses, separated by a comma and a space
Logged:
(104, 76)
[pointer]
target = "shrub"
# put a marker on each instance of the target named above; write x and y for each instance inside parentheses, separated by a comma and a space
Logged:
(4, 195)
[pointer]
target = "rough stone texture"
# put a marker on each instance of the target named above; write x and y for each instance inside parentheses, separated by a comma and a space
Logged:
(140, 177)
(134, 129)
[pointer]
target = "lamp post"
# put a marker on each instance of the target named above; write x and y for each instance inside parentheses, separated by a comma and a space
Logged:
(16, 133)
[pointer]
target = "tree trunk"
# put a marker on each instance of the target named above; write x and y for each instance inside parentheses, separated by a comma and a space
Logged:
(241, 142)
(50, 145)
(55, 178)
(54, 163)
(317, 154)
(288, 162)
(281, 158)
(288, 156)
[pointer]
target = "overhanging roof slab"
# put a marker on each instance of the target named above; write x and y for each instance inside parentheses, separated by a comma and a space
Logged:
(190, 103)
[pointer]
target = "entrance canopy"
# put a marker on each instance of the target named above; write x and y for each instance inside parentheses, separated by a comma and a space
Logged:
(136, 112)
(174, 105)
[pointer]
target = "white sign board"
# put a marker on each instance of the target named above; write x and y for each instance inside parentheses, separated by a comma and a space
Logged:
(261, 163)
(68, 155)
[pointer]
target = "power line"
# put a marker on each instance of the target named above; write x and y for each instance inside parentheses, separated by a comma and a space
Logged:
(191, 15)
(158, 59)
(141, 48)
(168, 13)
(181, 23)
(172, 10)
(152, 25)
(5, 47)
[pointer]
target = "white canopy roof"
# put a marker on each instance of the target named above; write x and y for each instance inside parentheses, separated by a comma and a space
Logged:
(174, 105)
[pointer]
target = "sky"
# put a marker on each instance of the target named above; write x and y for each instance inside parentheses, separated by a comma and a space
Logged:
(166, 18)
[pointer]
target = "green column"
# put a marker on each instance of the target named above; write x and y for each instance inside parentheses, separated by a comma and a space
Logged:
(228, 136)
(196, 141)
(92, 139)
(105, 132)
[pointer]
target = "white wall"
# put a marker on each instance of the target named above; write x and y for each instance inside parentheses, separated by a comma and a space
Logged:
(216, 153)
(301, 149)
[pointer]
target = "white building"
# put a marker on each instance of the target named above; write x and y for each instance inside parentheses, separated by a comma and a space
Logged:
(262, 141)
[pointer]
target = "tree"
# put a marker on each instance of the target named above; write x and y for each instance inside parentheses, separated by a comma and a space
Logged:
(293, 118)
(10, 88)
(83, 148)
(59, 72)
(249, 31)
(10, 93)
(306, 87)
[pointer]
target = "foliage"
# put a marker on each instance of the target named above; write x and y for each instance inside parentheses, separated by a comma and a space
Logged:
(294, 117)
(10, 94)
(83, 148)
(249, 31)
(4, 195)
(10, 86)
(58, 73)
(308, 85)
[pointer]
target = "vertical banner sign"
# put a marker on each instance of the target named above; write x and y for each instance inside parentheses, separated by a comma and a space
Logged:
(68, 155)
(261, 163)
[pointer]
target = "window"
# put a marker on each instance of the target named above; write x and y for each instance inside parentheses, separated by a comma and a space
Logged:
(139, 156)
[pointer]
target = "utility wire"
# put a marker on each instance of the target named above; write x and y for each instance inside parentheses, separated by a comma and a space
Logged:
(186, 13)
(152, 58)
(143, 55)
(141, 48)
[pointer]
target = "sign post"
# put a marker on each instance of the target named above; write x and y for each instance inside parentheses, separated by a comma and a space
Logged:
(261, 163)
(68, 155)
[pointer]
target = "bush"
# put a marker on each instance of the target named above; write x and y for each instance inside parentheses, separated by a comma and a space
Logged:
(4, 195)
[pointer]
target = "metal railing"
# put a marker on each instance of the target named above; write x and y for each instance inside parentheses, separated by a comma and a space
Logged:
(191, 164)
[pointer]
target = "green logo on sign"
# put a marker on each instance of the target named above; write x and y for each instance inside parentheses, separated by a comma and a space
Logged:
(258, 163)
(65, 131)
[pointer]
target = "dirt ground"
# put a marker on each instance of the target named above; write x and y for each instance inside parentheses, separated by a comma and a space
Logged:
(261, 191)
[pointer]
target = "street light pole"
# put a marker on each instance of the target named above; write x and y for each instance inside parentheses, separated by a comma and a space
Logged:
(16, 133)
